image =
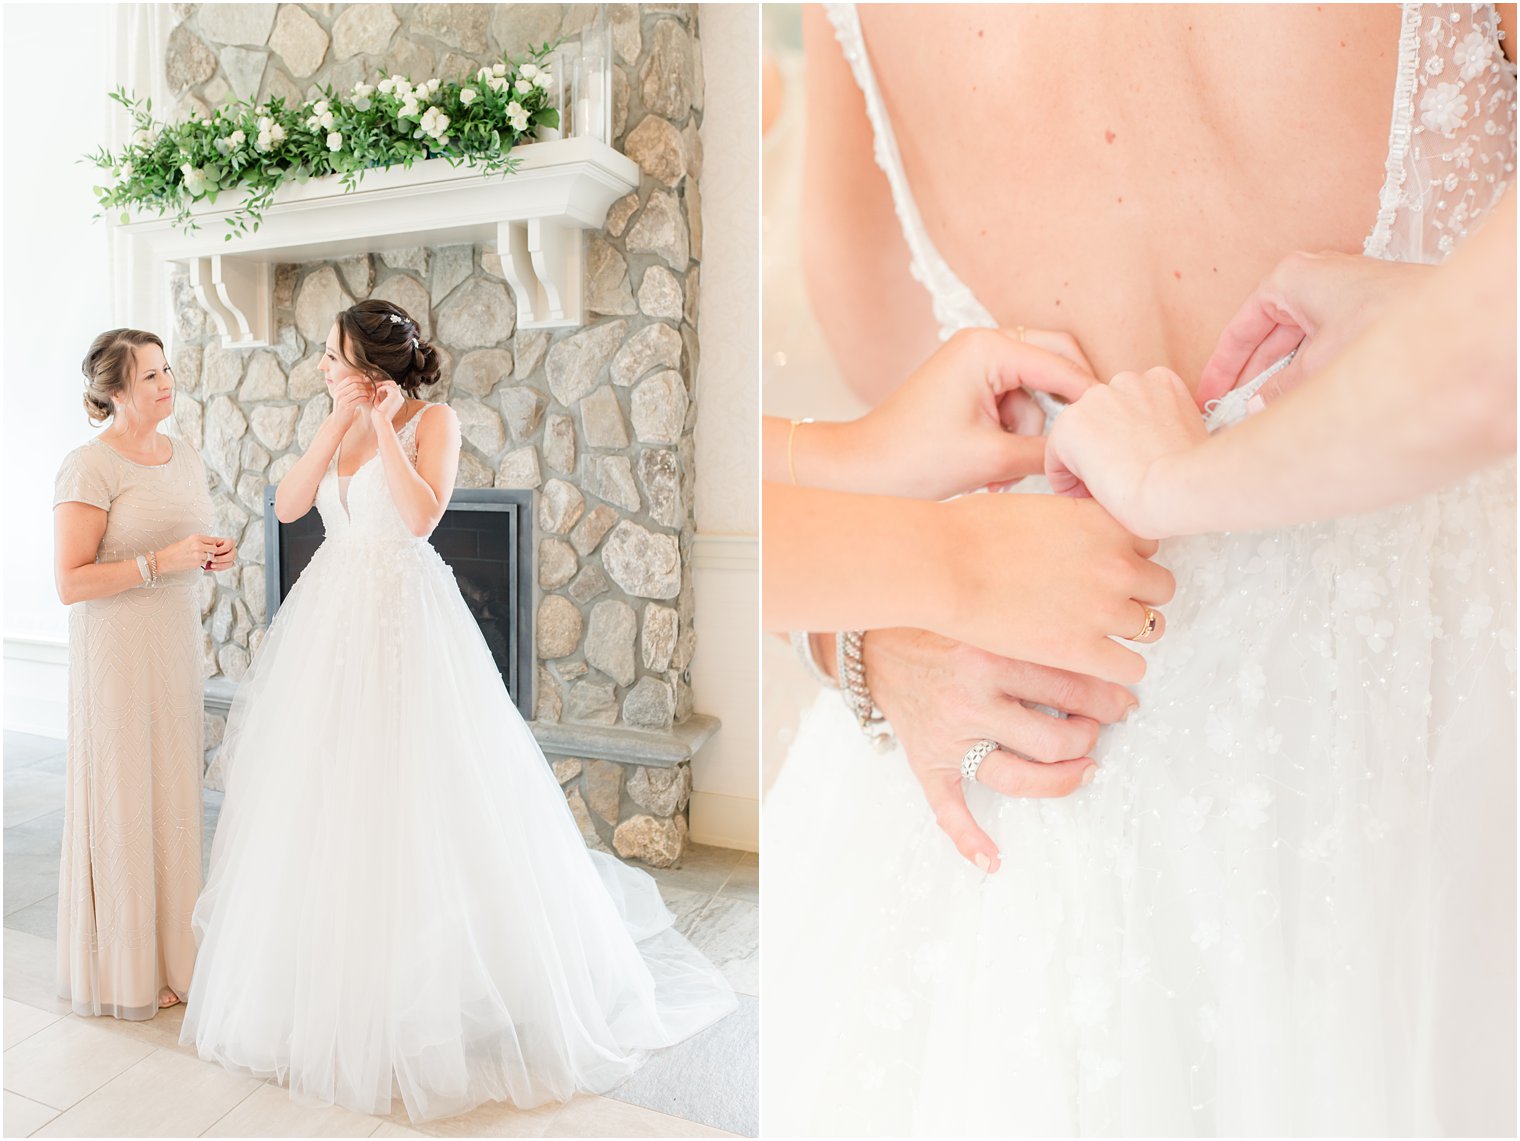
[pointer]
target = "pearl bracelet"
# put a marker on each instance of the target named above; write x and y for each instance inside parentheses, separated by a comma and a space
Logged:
(850, 663)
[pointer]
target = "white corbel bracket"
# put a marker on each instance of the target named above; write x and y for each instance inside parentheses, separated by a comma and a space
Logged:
(238, 293)
(542, 261)
(532, 217)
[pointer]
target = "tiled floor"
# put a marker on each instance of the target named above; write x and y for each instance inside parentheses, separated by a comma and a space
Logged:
(81, 1077)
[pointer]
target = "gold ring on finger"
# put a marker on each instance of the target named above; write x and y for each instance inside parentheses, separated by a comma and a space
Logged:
(1147, 627)
(1020, 330)
(975, 756)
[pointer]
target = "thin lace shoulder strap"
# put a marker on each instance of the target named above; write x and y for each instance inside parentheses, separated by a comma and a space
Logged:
(955, 306)
(1451, 141)
(406, 435)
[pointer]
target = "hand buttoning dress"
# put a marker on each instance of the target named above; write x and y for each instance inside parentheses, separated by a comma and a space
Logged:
(1287, 903)
(399, 897)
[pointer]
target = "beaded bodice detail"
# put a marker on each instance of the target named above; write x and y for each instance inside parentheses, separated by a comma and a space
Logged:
(369, 511)
(1451, 150)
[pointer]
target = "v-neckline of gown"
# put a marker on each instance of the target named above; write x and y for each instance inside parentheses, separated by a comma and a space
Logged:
(338, 455)
(338, 460)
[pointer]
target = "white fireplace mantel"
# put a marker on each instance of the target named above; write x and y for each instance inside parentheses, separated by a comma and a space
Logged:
(532, 218)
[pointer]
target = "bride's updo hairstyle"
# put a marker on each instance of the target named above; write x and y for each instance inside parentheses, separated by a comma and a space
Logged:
(108, 368)
(381, 339)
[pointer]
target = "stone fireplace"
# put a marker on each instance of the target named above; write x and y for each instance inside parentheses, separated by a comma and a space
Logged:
(594, 420)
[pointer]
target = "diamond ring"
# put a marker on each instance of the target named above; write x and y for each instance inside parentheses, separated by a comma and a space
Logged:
(975, 756)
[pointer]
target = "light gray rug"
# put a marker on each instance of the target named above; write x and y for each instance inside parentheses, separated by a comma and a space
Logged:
(711, 1079)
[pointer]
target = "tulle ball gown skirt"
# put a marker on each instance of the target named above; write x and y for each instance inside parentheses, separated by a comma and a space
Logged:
(399, 900)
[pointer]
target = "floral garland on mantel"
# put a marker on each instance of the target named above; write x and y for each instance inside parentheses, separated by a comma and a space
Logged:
(259, 147)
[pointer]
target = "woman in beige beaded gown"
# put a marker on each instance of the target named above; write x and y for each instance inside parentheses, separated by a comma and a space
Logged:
(131, 512)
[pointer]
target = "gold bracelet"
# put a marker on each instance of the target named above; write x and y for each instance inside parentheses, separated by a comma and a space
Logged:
(791, 435)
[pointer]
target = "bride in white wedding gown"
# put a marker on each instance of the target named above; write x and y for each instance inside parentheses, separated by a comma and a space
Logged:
(399, 898)
(1286, 904)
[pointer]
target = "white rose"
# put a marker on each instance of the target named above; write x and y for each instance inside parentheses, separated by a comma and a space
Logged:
(523, 86)
(238, 138)
(327, 120)
(483, 74)
(363, 90)
(320, 109)
(263, 143)
(435, 122)
(467, 96)
(499, 70)
(277, 133)
(386, 86)
(335, 141)
(541, 81)
(222, 146)
(434, 84)
(517, 115)
(195, 180)
(409, 110)
(497, 83)
(527, 71)
(143, 138)
(265, 122)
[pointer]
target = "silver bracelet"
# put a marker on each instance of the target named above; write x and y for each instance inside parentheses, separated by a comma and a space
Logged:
(802, 642)
(142, 569)
(849, 660)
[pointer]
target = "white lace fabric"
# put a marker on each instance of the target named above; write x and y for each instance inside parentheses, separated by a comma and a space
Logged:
(1286, 905)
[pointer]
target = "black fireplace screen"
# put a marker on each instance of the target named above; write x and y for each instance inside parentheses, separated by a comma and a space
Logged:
(486, 537)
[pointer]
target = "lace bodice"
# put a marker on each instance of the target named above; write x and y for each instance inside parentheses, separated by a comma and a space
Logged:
(1451, 149)
(365, 509)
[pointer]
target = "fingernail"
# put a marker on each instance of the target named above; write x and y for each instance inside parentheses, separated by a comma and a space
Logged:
(1088, 775)
(1128, 709)
(983, 862)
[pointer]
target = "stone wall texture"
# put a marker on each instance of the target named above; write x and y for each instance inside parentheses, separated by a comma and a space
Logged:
(598, 420)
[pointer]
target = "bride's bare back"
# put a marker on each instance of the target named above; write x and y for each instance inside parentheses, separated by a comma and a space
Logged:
(1125, 173)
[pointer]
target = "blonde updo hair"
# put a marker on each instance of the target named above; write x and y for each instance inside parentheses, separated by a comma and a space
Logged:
(108, 369)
